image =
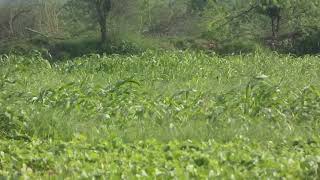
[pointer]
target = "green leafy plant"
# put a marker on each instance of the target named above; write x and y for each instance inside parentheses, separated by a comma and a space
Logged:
(160, 114)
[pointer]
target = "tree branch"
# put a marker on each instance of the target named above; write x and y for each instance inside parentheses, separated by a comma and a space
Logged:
(42, 34)
(237, 16)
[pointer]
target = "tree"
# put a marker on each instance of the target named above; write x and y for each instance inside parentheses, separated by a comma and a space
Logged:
(103, 8)
(95, 10)
(298, 18)
(12, 17)
(290, 24)
(272, 9)
(17, 17)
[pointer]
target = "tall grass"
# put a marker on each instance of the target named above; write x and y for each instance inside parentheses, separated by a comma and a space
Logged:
(161, 95)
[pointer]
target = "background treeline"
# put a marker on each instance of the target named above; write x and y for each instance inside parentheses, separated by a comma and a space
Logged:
(67, 28)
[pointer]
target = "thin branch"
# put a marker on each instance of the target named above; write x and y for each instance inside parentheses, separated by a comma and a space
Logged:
(36, 32)
(42, 34)
(238, 16)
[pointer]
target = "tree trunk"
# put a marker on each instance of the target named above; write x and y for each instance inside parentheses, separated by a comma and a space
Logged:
(10, 24)
(278, 23)
(103, 31)
(103, 7)
(273, 28)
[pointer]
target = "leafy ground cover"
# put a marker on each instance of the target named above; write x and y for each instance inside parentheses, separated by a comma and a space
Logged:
(160, 115)
(240, 159)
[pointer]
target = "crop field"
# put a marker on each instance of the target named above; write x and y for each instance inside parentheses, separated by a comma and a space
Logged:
(160, 115)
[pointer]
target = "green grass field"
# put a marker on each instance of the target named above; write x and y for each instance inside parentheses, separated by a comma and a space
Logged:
(160, 115)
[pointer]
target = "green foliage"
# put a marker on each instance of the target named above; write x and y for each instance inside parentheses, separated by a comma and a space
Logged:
(198, 5)
(83, 46)
(239, 159)
(247, 23)
(93, 11)
(310, 43)
(242, 26)
(160, 115)
(173, 88)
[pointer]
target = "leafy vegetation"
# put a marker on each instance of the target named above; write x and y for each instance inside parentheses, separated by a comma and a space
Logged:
(223, 27)
(149, 89)
(151, 159)
(160, 114)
